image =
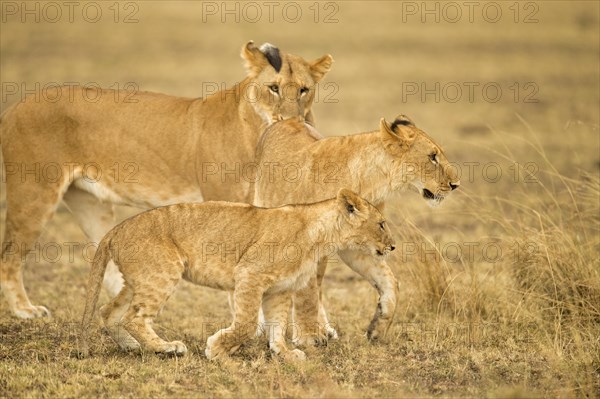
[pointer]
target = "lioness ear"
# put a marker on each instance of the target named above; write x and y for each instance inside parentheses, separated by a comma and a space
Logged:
(401, 129)
(319, 67)
(258, 58)
(351, 204)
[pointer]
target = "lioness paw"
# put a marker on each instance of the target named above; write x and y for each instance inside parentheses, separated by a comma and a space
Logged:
(32, 312)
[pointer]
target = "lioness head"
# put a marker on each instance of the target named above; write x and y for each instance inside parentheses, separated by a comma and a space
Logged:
(282, 85)
(367, 227)
(418, 160)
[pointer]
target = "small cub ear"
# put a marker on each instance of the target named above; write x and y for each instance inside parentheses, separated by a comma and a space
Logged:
(351, 203)
(255, 59)
(401, 129)
(319, 67)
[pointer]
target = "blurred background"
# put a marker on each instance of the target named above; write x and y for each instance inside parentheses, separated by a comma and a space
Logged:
(510, 90)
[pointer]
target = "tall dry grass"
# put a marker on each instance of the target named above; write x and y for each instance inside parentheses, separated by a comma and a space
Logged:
(546, 288)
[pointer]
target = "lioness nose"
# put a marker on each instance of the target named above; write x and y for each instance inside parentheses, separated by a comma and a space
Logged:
(454, 186)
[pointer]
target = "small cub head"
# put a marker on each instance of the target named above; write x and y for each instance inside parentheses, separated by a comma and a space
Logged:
(418, 160)
(283, 85)
(366, 228)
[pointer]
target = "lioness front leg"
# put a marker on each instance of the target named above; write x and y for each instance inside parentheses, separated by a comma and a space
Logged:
(377, 272)
(276, 308)
(29, 205)
(247, 298)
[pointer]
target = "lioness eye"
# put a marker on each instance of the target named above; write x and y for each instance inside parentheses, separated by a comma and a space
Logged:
(433, 158)
(382, 225)
(304, 90)
(274, 88)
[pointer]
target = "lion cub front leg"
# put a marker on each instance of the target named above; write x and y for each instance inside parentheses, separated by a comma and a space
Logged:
(247, 297)
(276, 308)
(310, 318)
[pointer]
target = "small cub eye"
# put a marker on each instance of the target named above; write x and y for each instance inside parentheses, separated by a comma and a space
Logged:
(274, 88)
(433, 158)
(304, 90)
(382, 225)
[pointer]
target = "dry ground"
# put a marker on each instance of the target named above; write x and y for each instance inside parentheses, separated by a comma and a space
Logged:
(517, 316)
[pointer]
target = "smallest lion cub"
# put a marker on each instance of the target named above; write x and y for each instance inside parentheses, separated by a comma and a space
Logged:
(261, 254)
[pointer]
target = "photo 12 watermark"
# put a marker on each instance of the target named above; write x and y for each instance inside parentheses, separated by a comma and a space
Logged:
(271, 11)
(71, 92)
(492, 12)
(470, 92)
(125, 12)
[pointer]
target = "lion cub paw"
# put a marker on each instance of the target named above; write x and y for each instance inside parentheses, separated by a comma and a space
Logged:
(295, 355)
(311, 340)
(173, 348)
(214, 348)
(32, 312)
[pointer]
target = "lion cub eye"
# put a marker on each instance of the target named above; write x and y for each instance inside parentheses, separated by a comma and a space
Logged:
(274, 89)
(303, 90)
(382, 225)
(433, 158)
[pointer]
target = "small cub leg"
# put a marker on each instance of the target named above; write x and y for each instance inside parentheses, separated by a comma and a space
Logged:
(275, 308)
(247, 298)
(112, 315)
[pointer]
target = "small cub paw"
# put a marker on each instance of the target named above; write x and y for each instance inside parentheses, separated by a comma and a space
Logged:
(130, 345)
(214, 349)
(311, 340)
(331, 333)
(32, 312)
(295, 355)
(173, 348)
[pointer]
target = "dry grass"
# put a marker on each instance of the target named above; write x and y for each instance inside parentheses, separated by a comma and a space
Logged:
(525, 323)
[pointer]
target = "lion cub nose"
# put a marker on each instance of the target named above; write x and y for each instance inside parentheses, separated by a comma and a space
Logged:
(454, 186)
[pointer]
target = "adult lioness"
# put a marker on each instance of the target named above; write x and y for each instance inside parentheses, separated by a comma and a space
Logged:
(297, 165)
(92, 149)
(260, 254)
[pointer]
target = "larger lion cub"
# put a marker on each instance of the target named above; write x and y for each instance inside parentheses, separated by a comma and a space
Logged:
(261, 254)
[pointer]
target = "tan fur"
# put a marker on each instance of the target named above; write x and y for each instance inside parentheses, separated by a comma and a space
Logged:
(297, 165)
(262, 255)
(150, 149)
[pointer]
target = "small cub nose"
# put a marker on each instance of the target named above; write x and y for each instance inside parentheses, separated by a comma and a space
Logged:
(454, 186)
(392, 247)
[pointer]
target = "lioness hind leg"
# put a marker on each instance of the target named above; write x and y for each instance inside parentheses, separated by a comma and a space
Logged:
(112, 315)
(29, 205)
(95, 218)
(276, 308)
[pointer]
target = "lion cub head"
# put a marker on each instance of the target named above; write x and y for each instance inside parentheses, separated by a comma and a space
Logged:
(282, 85)
(366, 228)
(418, 160)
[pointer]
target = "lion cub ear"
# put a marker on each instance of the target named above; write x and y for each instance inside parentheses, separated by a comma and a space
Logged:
(351, 205)
(401, 129)
(319, 67)
(258, 58)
